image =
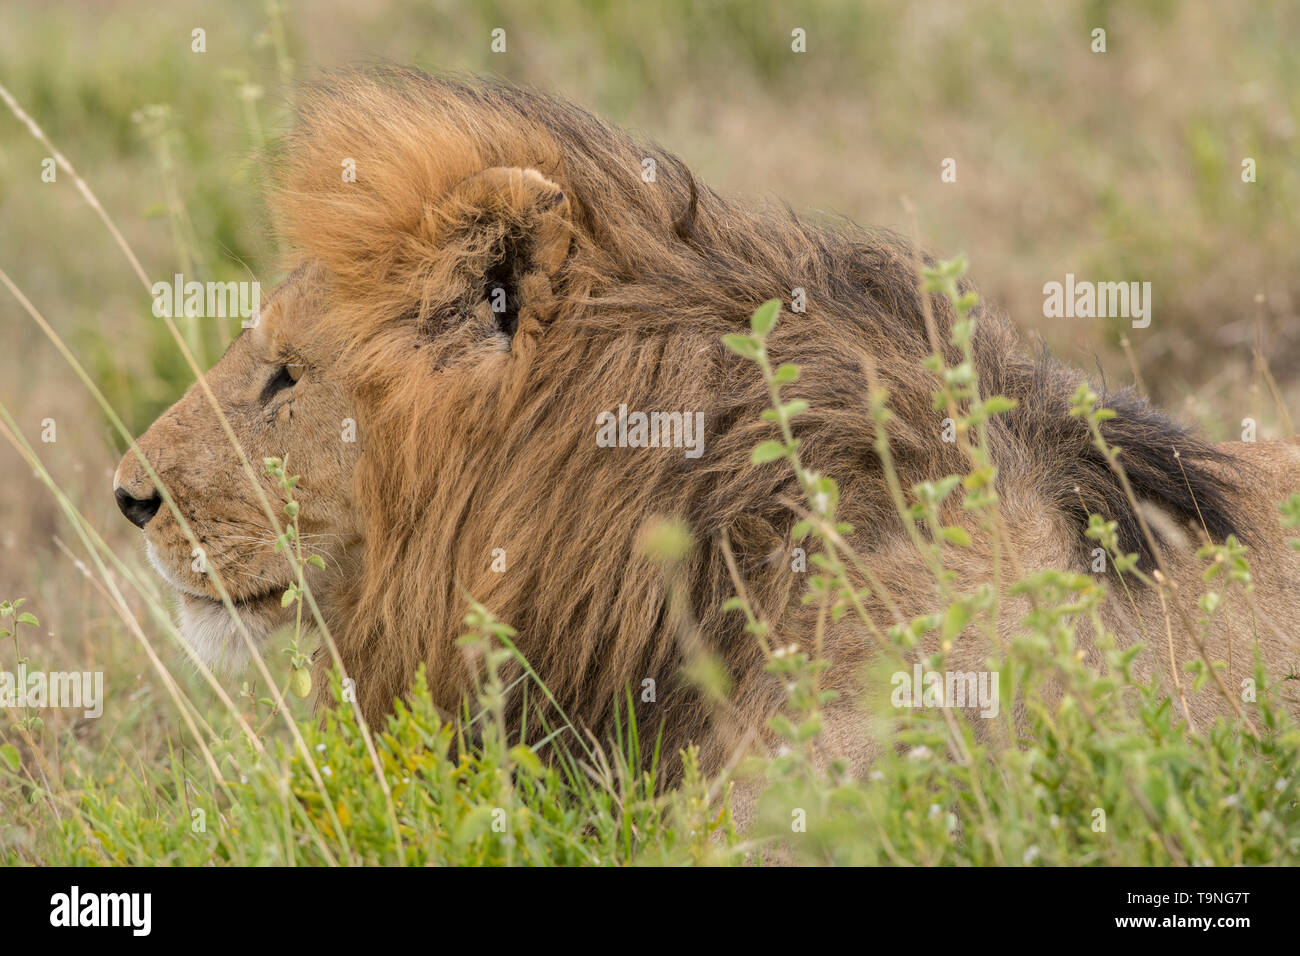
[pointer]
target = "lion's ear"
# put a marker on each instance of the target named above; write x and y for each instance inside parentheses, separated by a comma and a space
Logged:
(514, 230)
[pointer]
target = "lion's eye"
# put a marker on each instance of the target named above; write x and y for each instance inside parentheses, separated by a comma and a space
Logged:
(286, 376)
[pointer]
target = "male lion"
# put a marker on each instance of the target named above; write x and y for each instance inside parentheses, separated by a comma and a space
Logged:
(495, 279)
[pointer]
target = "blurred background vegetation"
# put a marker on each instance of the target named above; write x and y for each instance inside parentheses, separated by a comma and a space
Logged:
(1123, 165)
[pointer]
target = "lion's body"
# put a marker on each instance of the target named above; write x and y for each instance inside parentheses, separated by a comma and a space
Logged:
(1267, 625)
(479, 472)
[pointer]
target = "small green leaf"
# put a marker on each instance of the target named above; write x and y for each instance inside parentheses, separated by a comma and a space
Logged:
(767, 451)
(667, 540)
(743, 346)
(288, 598)
(956, 535)
(9, 755)
(997, 404)
(764, 318)
(955, 620)
(786, 374)
(524, 758)
(28, 618)
(316, 561)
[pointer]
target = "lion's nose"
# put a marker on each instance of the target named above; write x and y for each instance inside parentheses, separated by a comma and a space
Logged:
(138, 511)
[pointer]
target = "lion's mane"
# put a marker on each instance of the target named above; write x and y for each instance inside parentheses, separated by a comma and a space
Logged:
(472, 447)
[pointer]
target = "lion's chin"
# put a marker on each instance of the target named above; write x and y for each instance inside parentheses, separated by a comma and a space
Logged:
(214, 638)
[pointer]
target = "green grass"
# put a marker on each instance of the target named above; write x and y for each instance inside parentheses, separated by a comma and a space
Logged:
(1104, 776)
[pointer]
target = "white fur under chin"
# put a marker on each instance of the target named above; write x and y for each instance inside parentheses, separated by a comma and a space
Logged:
(212, 636)
(208, 629)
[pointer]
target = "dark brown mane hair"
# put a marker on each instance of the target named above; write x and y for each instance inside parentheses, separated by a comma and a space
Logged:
(480, 436)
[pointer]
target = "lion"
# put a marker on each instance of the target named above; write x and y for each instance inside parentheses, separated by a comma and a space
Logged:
(495, 278)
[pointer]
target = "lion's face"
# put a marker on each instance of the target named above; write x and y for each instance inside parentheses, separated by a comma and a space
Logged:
(276, 390)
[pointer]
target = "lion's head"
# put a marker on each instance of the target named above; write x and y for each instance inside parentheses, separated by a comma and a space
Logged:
(485, 275)
(278, 393)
